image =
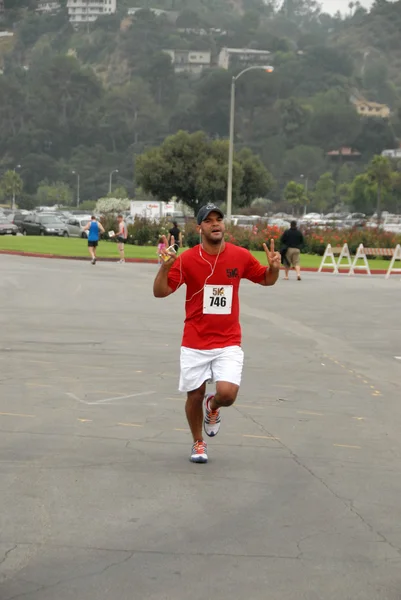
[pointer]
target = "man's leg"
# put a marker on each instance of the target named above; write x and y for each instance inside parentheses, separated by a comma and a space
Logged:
(227, 372)
(226, 394)
(121, 250)
(90, 248)
(194, 411)
(297, 264)
(287, 270)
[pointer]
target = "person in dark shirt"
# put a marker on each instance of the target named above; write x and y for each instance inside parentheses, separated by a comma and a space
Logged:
(292, 241)
(175, 233)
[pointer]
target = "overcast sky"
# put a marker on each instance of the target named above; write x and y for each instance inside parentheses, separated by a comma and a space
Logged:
(332, 6)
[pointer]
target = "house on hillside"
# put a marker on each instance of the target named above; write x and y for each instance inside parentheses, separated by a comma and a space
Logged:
(243, 56)
(344, 153)
(190, 61)
(171, 15)
(46, 7)
(396, 153)
(370, 109)
(87, 11)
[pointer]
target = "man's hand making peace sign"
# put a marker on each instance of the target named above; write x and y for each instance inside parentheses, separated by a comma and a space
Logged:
(274, 262)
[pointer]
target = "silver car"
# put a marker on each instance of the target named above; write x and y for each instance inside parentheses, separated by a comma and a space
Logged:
(75, 226)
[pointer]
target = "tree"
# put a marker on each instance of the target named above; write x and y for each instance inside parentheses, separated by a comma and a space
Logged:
(294, 194)
(334, 126)
(363, 194)
(294, 116)
(257, 181)
(119, 192)
(303, 160)
(50, 193)
(194, 169)
(380, 172)
(324, 192)
(11, 185)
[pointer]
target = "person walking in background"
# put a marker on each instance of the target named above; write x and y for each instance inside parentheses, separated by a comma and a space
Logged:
(94, 229)
(175, 232)
(292, 241)
(122, 236)
(161, 246)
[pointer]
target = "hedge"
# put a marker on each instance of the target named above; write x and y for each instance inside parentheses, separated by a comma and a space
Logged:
(146, 232)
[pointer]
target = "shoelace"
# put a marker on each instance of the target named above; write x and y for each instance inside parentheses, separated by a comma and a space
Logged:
(199, 447)
(212, 416)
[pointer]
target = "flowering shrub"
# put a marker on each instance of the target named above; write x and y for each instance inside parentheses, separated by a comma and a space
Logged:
(145, 232)
(252, 239)
(316, 240)
(112, 205)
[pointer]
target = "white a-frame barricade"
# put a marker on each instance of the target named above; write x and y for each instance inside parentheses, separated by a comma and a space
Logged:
(396, 256)
(329, 255)
(345, 254)
(360, 254)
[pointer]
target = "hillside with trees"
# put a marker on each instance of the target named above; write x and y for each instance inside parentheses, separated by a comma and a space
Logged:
(92, 100)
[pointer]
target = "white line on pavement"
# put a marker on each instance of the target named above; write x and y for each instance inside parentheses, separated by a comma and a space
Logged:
(106, 400)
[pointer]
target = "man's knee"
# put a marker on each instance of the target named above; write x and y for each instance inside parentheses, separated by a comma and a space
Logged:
(226, 394)
(197, 395)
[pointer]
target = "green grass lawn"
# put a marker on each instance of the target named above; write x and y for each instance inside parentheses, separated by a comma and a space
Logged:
(79, 247)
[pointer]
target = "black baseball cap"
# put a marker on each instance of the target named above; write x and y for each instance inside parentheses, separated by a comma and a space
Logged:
(205, 211)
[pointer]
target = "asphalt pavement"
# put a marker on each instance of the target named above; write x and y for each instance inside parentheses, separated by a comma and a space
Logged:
(301, 495)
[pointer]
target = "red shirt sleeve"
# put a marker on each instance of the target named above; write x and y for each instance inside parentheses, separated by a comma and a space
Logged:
(176, 275)
(254, 271)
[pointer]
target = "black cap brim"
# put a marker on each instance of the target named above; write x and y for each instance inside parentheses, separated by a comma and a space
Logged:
(202, 215)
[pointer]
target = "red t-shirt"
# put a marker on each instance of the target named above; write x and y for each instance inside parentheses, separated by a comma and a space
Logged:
(193, 267)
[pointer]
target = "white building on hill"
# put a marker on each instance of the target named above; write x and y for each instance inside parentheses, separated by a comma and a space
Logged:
(243, 56)
(190, 61)
(87, 11)
(48, 6)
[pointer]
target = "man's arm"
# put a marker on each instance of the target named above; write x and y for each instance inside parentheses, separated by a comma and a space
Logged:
(274, 260)
(101, 227)
(161, 288)
(271, 276)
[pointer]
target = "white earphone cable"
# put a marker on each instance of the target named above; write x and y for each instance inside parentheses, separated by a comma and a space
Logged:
(212, 269)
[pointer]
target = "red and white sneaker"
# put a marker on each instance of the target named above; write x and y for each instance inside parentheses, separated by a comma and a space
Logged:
(212, 418)
(199, 452)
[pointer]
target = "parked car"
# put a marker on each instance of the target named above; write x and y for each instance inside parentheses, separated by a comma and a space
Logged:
(75, 226)
(18, 217)
(277, 222)
(43, 225)
(355, 220)
(6, 227)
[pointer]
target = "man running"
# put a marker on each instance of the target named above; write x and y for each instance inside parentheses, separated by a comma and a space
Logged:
(94, 229)
(122, 236)
(211, 345)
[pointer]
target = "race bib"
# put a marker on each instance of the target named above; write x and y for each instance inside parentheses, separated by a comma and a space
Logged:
(217, 299)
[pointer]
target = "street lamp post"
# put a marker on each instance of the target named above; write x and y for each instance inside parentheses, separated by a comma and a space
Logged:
(13, 205)
(267, 69)
(111, 179)
(78, 182)
(306, 190)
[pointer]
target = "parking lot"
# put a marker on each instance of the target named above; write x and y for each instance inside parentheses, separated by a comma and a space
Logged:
(301, 496)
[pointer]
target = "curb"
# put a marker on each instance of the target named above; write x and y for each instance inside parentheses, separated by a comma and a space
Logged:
(153, 261)
(85, 258)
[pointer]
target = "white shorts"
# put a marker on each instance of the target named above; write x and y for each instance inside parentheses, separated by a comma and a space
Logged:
(198, 366)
